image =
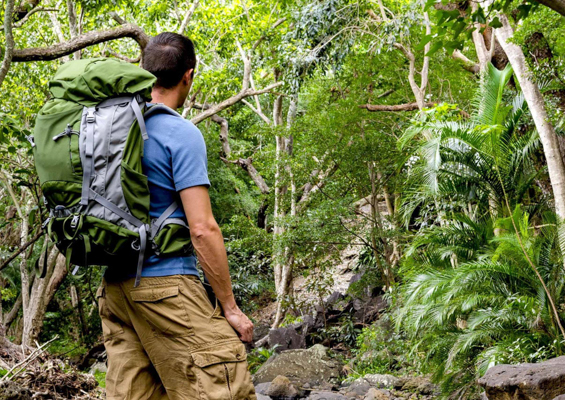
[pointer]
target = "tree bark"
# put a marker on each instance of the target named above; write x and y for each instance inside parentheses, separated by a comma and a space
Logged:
(40, 295)
(536, 104)
(9, 38)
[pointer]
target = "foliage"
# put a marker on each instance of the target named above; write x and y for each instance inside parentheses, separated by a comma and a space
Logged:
(258, 357)
(382, 350)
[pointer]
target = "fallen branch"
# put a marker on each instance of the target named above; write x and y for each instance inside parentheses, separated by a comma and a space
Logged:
(395, 107)
(80, 42)
(36, 353)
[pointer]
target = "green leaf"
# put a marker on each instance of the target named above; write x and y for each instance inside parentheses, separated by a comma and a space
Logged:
(435, 47)
(495, 23)
(423, 42)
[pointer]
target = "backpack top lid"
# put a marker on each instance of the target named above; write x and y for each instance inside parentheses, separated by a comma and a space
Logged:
(90, 81)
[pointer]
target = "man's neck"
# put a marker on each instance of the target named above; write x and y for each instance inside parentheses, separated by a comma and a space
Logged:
(167, 97)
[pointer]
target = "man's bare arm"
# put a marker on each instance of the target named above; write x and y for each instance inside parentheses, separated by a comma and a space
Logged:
(208, 243)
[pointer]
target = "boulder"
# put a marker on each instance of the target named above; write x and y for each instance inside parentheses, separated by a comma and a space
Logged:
(263, 397)
(326, 396)
(99, 366)
(312, 366)
(541, 381)
(286, 338)
(262, 388)
(385, 381)
(359, 387)
(376, 394)
(281, 387)
(419, 385)
(560, 397)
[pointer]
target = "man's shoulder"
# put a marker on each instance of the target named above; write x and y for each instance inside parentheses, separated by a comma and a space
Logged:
(172, 125)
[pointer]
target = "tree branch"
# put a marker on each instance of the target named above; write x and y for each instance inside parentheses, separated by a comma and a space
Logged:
(311, 189)
(80, 42)
(9, 38)
(188, 16)
(22, 21)
(13, 313)
(21, 250)
(122, 57)
(257, 111)
(468, 64)
(555, 5)
(247, 165)
(231, 101)
(223, 133)
(25, 9)
(395, 107)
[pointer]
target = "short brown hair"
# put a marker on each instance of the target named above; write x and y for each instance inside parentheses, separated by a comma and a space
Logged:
(168, 56)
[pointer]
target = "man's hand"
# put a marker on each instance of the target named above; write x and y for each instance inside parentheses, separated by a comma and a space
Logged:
(239, 321)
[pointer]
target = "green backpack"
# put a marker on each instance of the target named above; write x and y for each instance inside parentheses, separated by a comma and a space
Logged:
(88, 146)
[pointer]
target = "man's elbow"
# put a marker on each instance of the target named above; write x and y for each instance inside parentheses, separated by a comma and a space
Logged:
(201, 231)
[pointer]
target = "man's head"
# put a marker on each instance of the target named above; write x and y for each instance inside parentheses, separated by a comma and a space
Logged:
(171, 58)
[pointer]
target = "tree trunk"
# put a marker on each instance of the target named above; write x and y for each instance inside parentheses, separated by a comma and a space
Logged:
(41, 293)
(537, 108)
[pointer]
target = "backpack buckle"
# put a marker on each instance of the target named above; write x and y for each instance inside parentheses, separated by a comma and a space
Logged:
(74, 221)
(90, 118)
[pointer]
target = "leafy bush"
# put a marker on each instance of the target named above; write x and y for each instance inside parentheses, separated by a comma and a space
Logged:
(258, 357)
(381, 350)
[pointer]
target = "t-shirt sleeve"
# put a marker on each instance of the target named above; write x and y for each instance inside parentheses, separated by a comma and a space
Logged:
(188, 157)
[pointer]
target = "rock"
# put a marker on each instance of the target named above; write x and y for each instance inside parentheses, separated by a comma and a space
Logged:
(312, 366)
(326, 396)
(561, 397)
(281, 387)
(286, 339)
(359, 387)
(263, 397)
(419, 385)
(260, 331)
(375, 394)
(99, 366)
(541, 381)
(385, 381)
(262, 388)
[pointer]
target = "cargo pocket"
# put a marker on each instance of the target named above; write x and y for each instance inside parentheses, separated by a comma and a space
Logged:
(163, 310)
(111, 325)
(222, 373)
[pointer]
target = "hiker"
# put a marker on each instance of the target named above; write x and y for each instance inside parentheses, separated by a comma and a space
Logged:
(167, 338)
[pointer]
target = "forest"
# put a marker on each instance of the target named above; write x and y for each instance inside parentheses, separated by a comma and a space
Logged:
(388, 175)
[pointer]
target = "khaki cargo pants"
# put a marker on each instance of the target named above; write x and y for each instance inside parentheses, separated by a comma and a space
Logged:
(165, 340)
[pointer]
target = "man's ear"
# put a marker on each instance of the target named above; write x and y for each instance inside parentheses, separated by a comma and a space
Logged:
(188, 76)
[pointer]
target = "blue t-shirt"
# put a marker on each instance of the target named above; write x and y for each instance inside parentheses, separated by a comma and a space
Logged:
(174, 159)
